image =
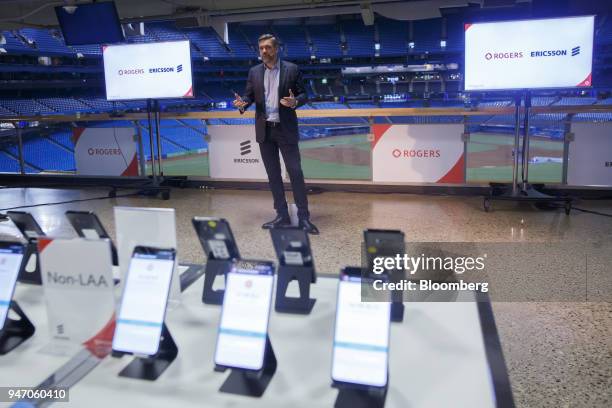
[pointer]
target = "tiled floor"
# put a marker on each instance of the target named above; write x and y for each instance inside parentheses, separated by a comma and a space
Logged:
(558, 354)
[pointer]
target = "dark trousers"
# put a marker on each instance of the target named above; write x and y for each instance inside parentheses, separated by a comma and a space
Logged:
(269, 149)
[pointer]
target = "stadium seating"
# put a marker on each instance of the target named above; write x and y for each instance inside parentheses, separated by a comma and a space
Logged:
(294, 42)
(8, 163)
(359, 38)
(46, 41)
(64, 138)
(45, 155)
(65, 105)
(26, 107)
(52, 150)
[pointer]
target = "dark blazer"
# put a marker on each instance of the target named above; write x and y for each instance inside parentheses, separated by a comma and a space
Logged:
(290, 78)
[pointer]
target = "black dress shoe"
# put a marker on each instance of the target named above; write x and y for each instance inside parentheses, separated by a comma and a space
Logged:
(279, 221)
(308, 226)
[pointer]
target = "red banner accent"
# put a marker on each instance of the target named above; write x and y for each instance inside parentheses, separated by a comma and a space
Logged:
(379, 131)
(587, 81)
(132, 169)
(466, 26)
(76, 134)
(189, 92)
(455, 174)
(100, 345)
(42, 243)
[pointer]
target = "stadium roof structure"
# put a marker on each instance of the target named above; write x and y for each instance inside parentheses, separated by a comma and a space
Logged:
(15, 14)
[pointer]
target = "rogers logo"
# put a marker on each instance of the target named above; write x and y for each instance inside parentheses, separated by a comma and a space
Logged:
(411, 153)
(503, 55)
(135, 71)
(103, 152)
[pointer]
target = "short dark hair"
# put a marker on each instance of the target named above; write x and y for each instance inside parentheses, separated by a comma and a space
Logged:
(264, 37)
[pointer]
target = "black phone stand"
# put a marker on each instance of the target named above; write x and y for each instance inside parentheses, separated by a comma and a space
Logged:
(397, 304)
(33, 277)
(15, 332)
(214, 267)
(298, 305)
(150, 368)
(248, 382)
(360, 397)
(397, 311)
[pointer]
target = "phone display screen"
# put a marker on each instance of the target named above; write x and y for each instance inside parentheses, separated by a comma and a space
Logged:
(243, 329)
(11, 256)
(361, 337)
(143, 305)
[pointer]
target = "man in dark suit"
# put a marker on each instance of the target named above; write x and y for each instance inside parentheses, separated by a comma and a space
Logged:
(276, 88)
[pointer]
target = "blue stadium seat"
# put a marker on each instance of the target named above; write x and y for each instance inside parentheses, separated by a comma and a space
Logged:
(15, 46)
(45, 42)
(65, 105)
(64, 138)
(325, 39)
(575, 101)
(46, 155)
(26, 107)
(293, 39)
(359, 38)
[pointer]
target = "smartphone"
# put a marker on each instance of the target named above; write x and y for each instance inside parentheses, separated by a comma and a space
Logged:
(143, 304)
(11, 257)
(88, 225)
(26, 224)
(216, 238)
(361, 335)
(292, 247)
(243, 329)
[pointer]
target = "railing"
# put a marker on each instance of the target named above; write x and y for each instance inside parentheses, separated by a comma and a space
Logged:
(331, 152)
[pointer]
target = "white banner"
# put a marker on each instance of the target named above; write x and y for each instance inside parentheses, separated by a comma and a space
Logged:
(590, 155)
(529, 54)
(105, 151)
(79, 291)
(234, 153)
(152, 227)
(418, 153)
(148, 70)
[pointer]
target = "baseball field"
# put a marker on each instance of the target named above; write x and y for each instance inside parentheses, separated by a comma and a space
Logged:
(349, 158)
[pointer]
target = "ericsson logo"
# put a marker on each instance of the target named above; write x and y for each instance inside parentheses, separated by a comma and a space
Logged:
(245, 147)
(575, 51)
(160, 70)
(179, 68)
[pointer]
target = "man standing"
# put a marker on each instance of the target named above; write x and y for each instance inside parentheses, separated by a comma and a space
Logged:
(276, 88)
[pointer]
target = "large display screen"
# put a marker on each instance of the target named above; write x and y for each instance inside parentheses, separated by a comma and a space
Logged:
(529, 54)
(361, 337)
(143, 305)
(243, 329)
(11, 256)
(148, 71)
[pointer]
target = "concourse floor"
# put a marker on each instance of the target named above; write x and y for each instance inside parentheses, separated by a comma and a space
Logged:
(558, 353)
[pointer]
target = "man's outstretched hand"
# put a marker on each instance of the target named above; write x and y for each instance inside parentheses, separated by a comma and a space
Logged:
(238, 102)
(289, 101)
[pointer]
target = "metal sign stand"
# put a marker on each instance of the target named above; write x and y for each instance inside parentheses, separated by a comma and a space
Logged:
(522, 191)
